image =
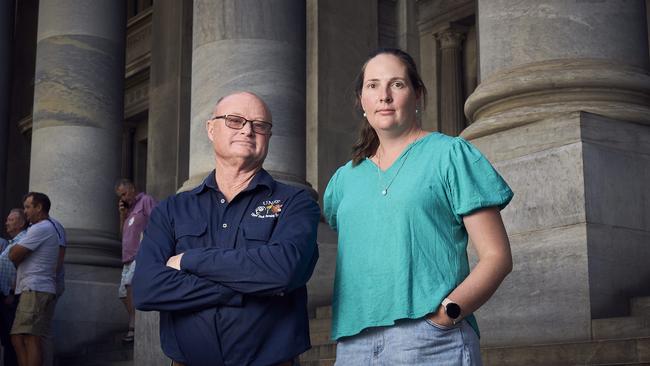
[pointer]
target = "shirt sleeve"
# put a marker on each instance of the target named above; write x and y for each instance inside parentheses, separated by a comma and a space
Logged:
(37, 235)
(285, 263)
(331, 200)
(149, 204)
(162, 288)
(472, 182)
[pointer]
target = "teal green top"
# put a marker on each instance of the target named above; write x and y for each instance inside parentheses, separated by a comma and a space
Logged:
(400, 254)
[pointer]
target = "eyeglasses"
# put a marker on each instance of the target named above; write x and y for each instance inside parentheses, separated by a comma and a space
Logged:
(238, 122)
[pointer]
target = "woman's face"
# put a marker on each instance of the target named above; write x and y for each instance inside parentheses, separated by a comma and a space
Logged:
(387, 96)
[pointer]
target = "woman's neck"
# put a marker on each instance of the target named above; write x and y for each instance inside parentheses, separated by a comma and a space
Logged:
(391, 147)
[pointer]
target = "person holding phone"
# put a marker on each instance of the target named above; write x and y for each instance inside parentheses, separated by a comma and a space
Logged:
(135, 208)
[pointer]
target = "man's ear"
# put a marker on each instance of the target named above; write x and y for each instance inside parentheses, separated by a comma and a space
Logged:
(209, 128)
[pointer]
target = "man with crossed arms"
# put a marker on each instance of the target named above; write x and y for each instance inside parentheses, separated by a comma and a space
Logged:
(226, 263)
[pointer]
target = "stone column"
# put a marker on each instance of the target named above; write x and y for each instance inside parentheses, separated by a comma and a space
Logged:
(168, 134)
(257, 46)
(452, 120)
(562, 110)
(78, 113)
(407, 27)
(169, 97)
(6, 21)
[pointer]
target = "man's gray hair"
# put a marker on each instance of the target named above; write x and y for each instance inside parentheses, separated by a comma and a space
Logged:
(21, 214)
(123, 182)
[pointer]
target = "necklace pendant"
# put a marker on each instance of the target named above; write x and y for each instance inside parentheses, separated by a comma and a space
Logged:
(384, 192)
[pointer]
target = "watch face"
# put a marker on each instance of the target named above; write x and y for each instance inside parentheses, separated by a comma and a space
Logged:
(452, 310)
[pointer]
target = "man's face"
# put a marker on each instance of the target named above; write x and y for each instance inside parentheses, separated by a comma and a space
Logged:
(32, 211)
(14, 224)
(242, 146)
(127, 194)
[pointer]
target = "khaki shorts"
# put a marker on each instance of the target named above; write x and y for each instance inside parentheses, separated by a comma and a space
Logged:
(34, 313)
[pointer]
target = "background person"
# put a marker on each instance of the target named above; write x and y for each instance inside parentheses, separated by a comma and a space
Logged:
(16, 227)
(403, 208)
(135, 209)
(36, 257)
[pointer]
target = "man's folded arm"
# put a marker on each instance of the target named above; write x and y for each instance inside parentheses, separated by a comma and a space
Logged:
(284, 263)
(158, 287)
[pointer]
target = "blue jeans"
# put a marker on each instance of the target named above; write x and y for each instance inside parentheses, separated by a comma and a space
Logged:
(411, 342)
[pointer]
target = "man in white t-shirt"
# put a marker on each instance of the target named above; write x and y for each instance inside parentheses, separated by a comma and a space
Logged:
(36, 257)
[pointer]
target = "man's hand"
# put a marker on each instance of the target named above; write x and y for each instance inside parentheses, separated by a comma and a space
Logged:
(175, 262)
(122, 207)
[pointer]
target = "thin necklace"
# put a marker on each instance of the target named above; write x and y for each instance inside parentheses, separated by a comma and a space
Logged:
(406, 156)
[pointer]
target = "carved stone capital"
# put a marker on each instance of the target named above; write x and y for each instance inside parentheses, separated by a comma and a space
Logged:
(451, 38)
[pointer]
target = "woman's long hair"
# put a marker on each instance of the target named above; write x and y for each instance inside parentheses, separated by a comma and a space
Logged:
(368, 141)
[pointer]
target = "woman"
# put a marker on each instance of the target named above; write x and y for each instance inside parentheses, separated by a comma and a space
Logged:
(403, 208)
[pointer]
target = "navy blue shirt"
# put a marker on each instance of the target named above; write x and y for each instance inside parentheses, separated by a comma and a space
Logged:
(240, 296)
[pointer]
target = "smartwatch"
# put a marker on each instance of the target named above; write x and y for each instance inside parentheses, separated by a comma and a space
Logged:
(451, 309)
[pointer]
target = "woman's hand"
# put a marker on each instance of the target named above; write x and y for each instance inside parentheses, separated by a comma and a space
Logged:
(440, 318)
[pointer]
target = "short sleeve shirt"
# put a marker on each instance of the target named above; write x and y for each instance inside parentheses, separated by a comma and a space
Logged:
(401, 253)
(134, 225)
(37, 271)
(7, 268)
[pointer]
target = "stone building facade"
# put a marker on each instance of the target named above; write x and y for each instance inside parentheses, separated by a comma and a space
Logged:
(555, 93)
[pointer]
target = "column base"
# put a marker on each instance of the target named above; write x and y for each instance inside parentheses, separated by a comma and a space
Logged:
(577, 226)
(549, 89)
(93, 247)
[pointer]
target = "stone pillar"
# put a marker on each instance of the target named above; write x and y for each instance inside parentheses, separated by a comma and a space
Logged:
(257, 46)
(78, 109)
(6, 21)
(562, 110)
(407, 27)
(168, 134)
(452, 119)
(169, 97)
(78, 113)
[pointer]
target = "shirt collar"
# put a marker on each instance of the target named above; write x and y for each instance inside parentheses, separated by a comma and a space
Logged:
(18, 236)
(262, 178)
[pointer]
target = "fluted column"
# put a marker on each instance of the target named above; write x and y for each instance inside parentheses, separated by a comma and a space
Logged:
(452, 119)
(257, 46)
(78, 113)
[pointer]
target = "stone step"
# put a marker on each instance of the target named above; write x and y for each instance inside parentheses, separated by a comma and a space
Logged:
(320, 324)
(640, 306)
(624, 327)
(323, 312)
(327, 362)
(628, 351)
(321, 352)
(320, 338)
(108, 351)
(622, 364)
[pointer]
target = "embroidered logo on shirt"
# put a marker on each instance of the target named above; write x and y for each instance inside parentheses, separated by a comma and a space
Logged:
(269, 209)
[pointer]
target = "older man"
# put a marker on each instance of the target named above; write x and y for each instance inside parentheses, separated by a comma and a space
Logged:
(16, 227)
(36, 256)
(226, 264)
(135, 208)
